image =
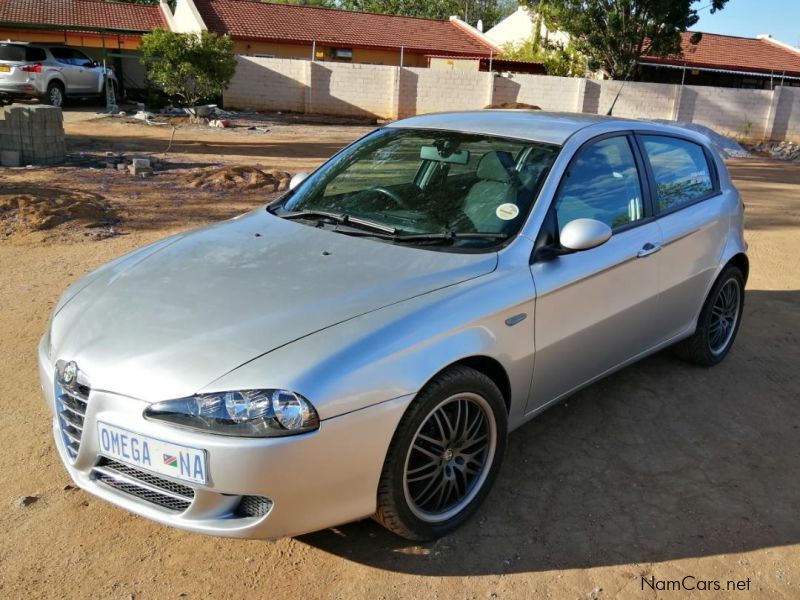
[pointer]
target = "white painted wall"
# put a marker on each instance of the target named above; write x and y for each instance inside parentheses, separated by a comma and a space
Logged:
(185, 19)
(518, 27)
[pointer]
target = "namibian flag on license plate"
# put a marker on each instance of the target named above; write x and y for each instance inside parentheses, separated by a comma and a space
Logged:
(170, 460)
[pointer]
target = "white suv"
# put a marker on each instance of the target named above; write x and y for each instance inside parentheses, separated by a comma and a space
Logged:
(50, 72)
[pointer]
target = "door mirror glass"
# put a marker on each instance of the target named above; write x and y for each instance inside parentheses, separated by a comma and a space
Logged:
(297, 180)
(584, 234)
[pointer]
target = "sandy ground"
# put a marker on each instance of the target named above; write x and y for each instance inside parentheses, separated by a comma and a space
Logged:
(662, 470)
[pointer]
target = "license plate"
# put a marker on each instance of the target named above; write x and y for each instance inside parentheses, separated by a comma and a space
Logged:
(5, 69)
(162, 457)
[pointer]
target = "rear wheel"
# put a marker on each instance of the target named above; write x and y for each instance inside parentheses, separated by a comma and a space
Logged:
(444, 456)
(55, 94)
(718, 322)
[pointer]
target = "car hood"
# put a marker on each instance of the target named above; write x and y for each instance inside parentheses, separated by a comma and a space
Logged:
(169, 320)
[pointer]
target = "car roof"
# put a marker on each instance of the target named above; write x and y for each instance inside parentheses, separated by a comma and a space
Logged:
(534, 125)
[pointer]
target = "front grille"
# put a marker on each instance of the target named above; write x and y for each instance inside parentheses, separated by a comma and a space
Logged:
(71, 403)
(147, 486)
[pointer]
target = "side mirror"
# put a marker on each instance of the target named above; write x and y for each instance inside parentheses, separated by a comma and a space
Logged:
(296, 180)
(584, 234)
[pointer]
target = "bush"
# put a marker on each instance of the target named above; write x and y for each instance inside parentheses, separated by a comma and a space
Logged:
(188, 66)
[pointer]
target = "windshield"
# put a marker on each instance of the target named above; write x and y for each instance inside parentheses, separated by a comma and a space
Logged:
(428, 187)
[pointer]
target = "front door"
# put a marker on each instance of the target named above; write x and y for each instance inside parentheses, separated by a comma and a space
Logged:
(596, 309)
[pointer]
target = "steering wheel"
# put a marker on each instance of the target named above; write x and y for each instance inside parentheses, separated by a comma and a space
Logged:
(392, 196)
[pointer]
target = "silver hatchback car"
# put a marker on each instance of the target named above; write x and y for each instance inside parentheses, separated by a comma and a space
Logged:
(363, 346)
(51, 72)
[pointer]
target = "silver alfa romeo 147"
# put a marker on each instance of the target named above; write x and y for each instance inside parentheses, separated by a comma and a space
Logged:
(363, 345)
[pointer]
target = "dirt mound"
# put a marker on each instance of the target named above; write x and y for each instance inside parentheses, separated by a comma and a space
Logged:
(517, 105)
(25, 209)
(240, 178)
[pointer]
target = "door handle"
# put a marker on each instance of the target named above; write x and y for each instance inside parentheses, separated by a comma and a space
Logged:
(648, 249)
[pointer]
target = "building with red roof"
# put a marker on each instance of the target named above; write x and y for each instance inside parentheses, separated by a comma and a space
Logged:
(106, 31)
(92, 23)
(291, 31)
(726, 61)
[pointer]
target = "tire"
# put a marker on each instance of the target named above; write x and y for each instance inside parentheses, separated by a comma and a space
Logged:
(711, 342)
(459, 403)
(55, 94)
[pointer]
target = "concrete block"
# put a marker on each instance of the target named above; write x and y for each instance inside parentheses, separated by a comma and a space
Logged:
(137, 171)
(141, 163)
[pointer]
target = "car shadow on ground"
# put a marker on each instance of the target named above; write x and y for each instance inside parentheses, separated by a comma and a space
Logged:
(660, 461)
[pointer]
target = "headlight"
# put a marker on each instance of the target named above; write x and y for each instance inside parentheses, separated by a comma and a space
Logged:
(246, 413)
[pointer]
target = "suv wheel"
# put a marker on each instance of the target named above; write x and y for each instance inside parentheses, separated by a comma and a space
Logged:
(718, 322)
(55, 94)
(444, 456)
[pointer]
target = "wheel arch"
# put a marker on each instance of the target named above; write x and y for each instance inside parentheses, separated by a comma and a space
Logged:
(58, 80)
(741, 261)
(488, 366)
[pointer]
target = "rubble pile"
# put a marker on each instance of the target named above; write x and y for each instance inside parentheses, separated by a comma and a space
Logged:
(779, 150)
(138, 166)
(240, 178)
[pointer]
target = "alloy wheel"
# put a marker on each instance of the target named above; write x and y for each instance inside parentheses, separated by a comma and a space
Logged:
(724, 316)
(56, 97)
(450, 457)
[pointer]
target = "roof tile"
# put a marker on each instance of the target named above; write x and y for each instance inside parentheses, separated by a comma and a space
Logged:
(82, 13)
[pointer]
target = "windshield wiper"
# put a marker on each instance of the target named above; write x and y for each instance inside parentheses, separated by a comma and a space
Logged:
(449, 236)
(444, 236)
(342, 218)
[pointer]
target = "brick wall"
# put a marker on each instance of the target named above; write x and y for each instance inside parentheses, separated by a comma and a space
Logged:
(352, 90)
(269, 84)
(438, 90)
(31, 135)
(392, 92)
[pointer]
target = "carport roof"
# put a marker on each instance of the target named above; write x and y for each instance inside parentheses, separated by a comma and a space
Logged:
(254, 20)
(82, 14)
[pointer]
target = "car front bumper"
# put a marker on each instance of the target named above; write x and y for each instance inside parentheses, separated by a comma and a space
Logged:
(314, 480)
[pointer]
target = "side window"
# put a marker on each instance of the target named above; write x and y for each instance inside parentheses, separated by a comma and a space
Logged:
(33, 54)
(602, 183)
(79, 59)
(62, 55)
(681, 171)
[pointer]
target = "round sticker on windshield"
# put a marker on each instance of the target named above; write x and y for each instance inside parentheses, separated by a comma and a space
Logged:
(507, 211)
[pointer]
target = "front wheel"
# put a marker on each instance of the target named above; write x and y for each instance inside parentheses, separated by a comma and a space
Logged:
(444, 456)
(718, 322)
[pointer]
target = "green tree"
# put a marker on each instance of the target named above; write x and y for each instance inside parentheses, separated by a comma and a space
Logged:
(488, 11)
(189, 66)
(559, 61)
(614, 34)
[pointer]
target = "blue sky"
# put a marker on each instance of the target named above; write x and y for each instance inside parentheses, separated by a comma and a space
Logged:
(748, 18)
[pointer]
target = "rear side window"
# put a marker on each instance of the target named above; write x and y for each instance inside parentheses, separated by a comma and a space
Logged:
(681, 171)
(35, 55)
(62, 55)
(12, 53)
